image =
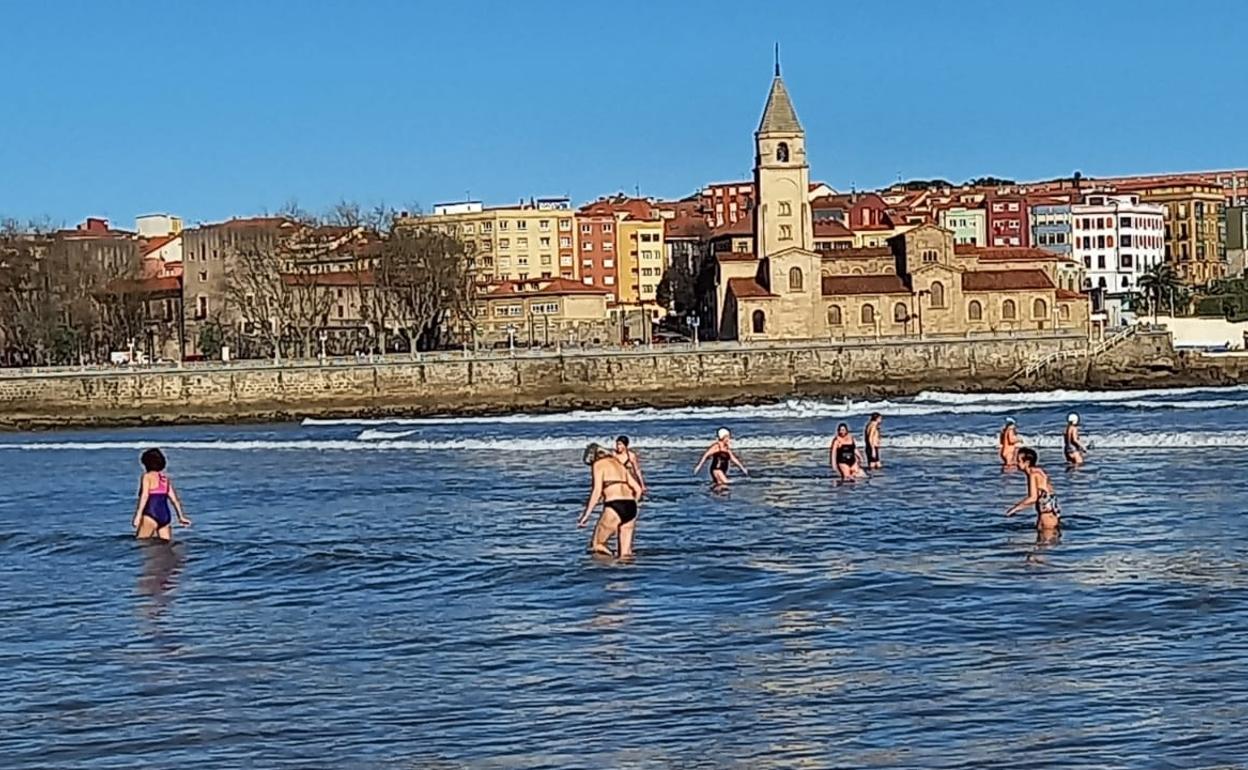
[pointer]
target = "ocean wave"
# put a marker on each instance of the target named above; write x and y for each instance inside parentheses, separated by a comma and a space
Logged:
(399, 443)
(930, 403)
(1023, 400)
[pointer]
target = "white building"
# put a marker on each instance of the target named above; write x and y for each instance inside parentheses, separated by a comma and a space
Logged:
(1117, 238)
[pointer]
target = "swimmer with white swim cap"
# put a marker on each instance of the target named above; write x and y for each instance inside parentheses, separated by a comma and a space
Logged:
(720, 454)
(1009, 443)
(1075, 449)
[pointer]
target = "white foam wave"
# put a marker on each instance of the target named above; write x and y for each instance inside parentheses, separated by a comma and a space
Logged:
(925, 441)
(930, 403)
(1023, 400)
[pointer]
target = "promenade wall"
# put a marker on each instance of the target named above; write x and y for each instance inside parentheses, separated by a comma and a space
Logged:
(453, 383)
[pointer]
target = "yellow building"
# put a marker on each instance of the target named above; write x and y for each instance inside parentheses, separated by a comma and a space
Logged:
(1195, 240)
(543, 312)
(641, 259)
(532, 240)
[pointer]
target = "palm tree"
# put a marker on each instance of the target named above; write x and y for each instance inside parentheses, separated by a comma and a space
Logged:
(1160, 282)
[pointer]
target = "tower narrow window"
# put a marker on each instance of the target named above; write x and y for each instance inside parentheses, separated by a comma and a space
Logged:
(782, 152)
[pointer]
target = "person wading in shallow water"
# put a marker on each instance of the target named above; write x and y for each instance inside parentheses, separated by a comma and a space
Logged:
(1009, 442)
(152, 516)
(843, 455)
(720, 454)
(618, 489)
(1039, 493)
(629, 458)
(871, 441)
(1073, 446)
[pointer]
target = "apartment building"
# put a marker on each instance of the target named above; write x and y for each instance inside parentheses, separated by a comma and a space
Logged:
(1195, 238)
(530, 240)
(968, 225)
(1117, 238)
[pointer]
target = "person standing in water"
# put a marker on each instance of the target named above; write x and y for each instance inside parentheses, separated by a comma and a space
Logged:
(871, 441)
(1039, 493)
(721, 455)
(629, 459)
(1009, 442)
(152, 517)
(1073, 446)
(618, 489)
(843, 455)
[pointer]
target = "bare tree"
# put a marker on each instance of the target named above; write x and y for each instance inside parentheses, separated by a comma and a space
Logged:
(256, 291)
(428, 274)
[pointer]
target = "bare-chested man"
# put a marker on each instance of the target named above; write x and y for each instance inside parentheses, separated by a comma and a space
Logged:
(871, 440)
(1039, 493)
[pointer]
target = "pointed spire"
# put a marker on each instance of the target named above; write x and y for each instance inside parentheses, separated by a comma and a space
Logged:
(779, 115)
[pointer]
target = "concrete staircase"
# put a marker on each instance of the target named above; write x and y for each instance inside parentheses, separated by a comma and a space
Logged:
(1090, 353)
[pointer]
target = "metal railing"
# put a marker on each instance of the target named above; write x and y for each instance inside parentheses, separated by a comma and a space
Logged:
(520, 353)
(1040, 363)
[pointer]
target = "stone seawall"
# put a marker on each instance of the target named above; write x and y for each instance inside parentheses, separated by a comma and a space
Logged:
(657, 377)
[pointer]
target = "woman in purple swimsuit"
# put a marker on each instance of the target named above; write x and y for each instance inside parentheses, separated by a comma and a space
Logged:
(152, 517)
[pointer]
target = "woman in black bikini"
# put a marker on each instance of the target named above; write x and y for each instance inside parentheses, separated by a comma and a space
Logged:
(618, 489)
(629, 458)
(720, 454)
(843, 455)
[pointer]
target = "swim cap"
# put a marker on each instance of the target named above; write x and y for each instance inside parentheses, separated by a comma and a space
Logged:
(722, 434)
(1009, 421)
(1072, 418)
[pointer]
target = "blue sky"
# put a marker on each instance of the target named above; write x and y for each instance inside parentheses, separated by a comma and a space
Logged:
(219, 108)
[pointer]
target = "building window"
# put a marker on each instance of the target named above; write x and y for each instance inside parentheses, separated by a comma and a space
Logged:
(201, 308)
(607, 227)
(544, 225)
(782, 152)
(1126, 261)
(867, 315)
(759, 321)
(203, 275)
(608, 263)
(1065, 312)
(975, 311)
(609, 280)
(586, 229)
(795, 279)
(1039, 309)
(587, 245)
(544, 242)
(1009, 310)
(900, 313)
(785, 209)
(938, 294)
(565, 242)
(607, 246)
(565, 225)
(786, 232)
(929, 256)
(834, 316)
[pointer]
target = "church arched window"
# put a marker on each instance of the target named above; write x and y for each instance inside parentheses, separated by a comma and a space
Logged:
(782, 152)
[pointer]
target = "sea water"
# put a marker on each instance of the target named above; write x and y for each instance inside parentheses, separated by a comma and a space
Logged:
(414, 593)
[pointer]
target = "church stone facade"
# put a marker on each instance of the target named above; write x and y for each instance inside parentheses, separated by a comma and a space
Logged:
(771, 284)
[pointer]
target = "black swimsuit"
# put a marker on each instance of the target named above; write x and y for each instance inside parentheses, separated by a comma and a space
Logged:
(719, 462)
(847, 454)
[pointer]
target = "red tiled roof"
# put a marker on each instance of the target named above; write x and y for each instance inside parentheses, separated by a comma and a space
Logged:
(1005, 280)
(743, 226)
(747, 288)
(686, 227)
(343, 278)
(838, 285)
(1068, 294)
(1006, 253)
(830, 228)
(735, 256)
(147, 286)
(542, 287)
(861, 252)
(157, 243)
